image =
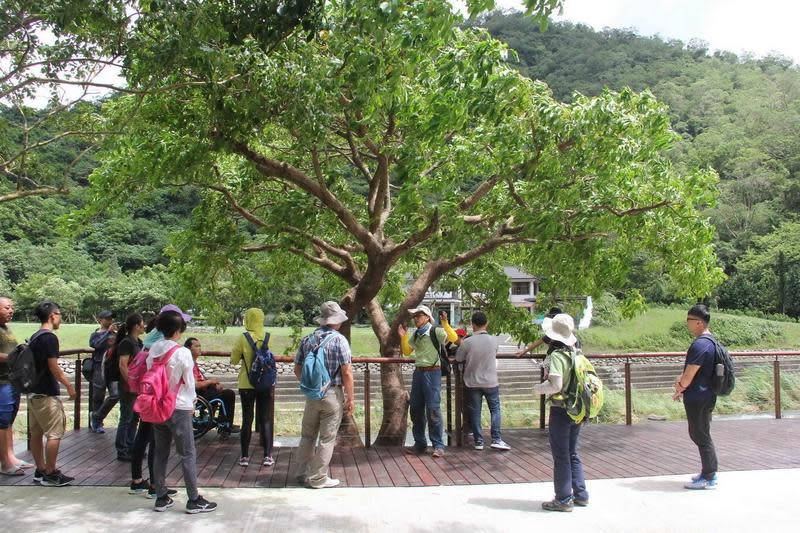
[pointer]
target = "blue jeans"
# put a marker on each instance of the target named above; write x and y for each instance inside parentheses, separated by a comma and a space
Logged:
(492, 396)
(126, 429)
(9, 405)
(426, 390)
(568, 477)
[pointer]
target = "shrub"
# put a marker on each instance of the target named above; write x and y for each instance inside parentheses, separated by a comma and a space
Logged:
(734, 331)
(606, 310)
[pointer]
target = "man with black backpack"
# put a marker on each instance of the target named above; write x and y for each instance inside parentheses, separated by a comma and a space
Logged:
(426, 341)
(695, 386)
(322, 364)
(47, 416)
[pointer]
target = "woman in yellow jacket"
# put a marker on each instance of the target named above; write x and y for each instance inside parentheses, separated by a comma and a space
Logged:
(242, 352)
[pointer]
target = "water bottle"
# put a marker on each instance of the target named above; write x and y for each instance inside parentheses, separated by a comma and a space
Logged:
(720, 369)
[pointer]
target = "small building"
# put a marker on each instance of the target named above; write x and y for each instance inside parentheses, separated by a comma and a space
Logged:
(522, 293)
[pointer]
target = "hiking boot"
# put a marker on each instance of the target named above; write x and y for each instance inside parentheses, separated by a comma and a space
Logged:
(701, 484)
(555, 505)
(151, 492)
(140, 487)
(580, 502)
(162, 504)
(414, 450)
(200, 505)
(438, 452)
(56, 479)
(478, 445)
(37, 476)
(500, 445)
(328, 483)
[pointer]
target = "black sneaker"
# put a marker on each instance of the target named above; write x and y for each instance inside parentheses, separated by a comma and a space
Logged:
(200, 505)
(151, 492)
(37, 476)
(162, 504)
(56, 479)
(140, 487)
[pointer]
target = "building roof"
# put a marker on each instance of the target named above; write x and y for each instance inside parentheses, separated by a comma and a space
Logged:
(515, 273)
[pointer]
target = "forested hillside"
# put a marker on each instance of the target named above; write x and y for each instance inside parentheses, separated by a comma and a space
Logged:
(737, 115)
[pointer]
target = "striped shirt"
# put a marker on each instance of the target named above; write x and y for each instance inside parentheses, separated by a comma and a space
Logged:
(337, 351)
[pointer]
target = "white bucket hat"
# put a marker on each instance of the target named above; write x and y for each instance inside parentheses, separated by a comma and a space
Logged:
(560, 328)
(422, 309)
(330, 313)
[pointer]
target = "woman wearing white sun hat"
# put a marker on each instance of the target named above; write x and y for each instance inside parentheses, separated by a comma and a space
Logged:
(568, 478)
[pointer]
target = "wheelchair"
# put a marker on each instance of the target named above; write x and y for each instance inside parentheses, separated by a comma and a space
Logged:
(210, 415)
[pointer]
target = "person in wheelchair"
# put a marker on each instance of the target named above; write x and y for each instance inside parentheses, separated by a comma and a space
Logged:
(211, 389)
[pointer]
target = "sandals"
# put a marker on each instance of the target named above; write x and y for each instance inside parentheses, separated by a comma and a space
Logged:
(244, 461)
(13, 471)
(268, 461)
(24, 464)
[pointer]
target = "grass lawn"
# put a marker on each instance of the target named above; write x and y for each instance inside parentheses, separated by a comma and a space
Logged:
(72, 336)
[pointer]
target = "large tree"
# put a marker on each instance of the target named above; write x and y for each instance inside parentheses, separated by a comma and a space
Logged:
(394, 149)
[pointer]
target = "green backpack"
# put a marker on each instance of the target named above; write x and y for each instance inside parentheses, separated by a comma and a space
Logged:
(584, 395)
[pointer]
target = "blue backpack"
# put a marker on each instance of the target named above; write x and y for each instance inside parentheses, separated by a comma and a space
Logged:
(263, 373)
(314, 378)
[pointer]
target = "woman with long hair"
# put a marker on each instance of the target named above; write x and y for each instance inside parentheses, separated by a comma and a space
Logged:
(126, 346)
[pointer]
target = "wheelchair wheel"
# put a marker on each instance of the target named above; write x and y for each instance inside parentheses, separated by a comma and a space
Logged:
(203, 419)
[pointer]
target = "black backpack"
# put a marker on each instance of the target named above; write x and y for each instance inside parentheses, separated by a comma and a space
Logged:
(22, 366)
(444, 360)
(723, 380)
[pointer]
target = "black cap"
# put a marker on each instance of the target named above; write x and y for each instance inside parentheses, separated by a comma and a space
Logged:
(105, 313)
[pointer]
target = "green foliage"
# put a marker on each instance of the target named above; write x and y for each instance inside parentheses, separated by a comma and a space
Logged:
(734, 331)
(606, 310)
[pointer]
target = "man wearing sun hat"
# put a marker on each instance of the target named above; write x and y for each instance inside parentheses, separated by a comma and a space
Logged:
(568, 477)
(426, 382)
(321, 418)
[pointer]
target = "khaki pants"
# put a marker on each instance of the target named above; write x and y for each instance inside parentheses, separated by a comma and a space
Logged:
(321, 418)
(47, 416)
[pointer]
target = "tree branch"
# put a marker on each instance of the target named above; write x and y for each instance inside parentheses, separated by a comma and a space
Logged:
(482, 190)
(41, 191)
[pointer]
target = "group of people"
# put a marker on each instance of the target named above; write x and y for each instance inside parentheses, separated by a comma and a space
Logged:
(117, 344)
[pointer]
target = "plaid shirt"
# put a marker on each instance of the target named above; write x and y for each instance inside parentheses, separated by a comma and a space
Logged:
(337, 351)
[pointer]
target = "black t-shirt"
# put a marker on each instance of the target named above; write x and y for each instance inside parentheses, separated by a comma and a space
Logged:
(127, 347)
(45, 347)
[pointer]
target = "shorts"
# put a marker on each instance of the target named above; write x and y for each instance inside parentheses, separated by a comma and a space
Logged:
(47, 416)
(9, 405)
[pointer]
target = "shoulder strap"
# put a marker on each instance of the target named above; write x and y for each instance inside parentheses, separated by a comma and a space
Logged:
(164, 359)
(38, 334)
(435, 340)
(265, 342)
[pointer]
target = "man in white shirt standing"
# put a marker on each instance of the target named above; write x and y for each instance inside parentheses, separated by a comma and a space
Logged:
(479, 353)
(179, 427)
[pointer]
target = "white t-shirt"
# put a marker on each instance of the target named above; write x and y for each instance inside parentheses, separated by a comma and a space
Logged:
(180, 365)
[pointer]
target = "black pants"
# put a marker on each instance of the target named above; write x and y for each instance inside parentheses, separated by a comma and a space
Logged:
(261, 401)
(228, 398)
(144, 441)
(699, 416)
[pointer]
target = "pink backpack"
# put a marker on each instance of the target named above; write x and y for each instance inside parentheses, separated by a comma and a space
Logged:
(156, 401)
(136, 369)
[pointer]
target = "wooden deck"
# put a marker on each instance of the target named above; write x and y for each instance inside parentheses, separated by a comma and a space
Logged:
(647, 449)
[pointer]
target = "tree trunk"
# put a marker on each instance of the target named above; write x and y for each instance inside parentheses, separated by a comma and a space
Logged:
(395, 407)
(349, 436)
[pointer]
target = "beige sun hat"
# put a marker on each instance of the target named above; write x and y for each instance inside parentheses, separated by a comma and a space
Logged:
(422, 309)
(330, 313)
(560, 328)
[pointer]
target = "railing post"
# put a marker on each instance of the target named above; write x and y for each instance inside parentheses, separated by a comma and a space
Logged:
(271, 415)
(542, 402)
(77, 409)
(449, 403)
(367, 411)
(776, 376)
(459, 404)
(628, 415)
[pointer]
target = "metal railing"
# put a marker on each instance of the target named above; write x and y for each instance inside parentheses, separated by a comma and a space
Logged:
(454, 384)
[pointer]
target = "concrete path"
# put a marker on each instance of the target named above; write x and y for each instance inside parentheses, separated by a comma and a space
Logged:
(749, 502)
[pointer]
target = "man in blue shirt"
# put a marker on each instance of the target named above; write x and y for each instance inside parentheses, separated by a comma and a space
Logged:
(694, 386)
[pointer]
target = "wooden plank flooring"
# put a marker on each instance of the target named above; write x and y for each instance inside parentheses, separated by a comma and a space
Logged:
(647, 449)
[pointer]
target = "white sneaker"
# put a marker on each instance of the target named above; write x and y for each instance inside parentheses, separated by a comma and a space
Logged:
(328, 483)
(479, 446)
(500, 445)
